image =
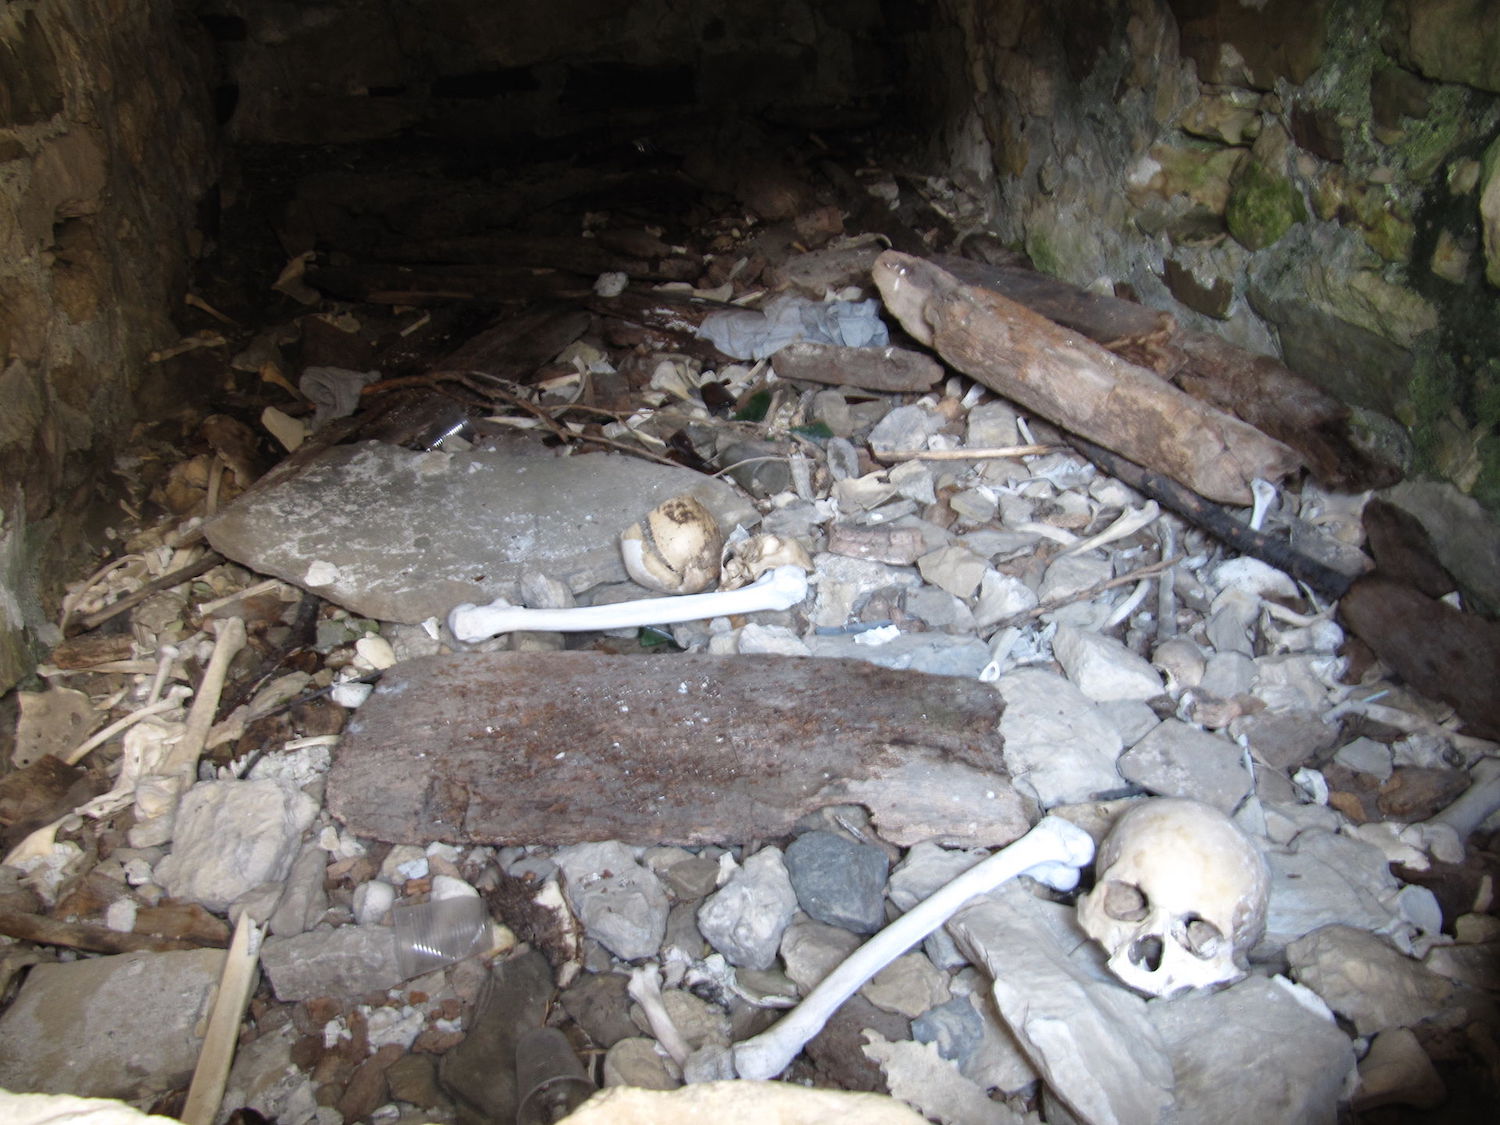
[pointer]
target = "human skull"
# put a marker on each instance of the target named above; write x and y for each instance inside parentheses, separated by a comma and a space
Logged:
(1179, 897)
(747, 559)
(675, 548)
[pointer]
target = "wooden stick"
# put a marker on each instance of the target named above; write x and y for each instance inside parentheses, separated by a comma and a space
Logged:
(166, 582)
(1092, 592)
(80, 935)
(997, 453)
(236, 984)
(1208, 516)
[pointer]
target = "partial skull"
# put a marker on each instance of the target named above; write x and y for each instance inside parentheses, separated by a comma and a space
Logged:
(747, 559)
(1179, 897)
(675, 548)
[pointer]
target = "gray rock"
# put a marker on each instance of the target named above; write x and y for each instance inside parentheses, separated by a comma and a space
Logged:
(906, 427)
(1325, 878)
(909, 986)
(691, 878)
(1228, 674)
(1176, 760)
(599, 1003)
(1133, 720)
(1466, 539)
(1090, 1039)
(304, 900)
(1254, 1053)
(1056, 742)
(682, 932)
(925, 869)
(403, 536)
(480, 1072)
(1104, 669)
(1001, 596)
(231, 836)
(843, 584)
(914, 480)
(1295, 682)
(955, 569)
(1284, 741)
(992, 425)
(1397, 1071)
(997, 1063)
(621, 904)
(1366, 980)
(839, 881)
(346, 963)
(812, 950)
(1071, 575)
(744, 919)
(937, 653)
(636, 1062)
(127, 1026)
(1365, 755)
(938, 610)
(955, 1027)
(777, 640)
(974, 505)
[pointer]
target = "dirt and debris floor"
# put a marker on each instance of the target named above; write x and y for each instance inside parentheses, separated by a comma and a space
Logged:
(548, 305)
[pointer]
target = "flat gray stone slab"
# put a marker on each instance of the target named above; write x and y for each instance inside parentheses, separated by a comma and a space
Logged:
(402, 536)
(569, 747)
(109, 1027)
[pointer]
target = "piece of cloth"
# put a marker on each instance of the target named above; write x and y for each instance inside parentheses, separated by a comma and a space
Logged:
(756, 334)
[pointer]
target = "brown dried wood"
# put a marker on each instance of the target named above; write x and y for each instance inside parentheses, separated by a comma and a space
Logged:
(1077, 384)
(80, 935)
(562, 748)
(890, 370)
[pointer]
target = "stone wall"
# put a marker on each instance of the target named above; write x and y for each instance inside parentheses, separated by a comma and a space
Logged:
(104, 151)
(1318, 178)
(343, 71)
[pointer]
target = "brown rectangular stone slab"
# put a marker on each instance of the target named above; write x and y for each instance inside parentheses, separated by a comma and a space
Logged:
(561, 748)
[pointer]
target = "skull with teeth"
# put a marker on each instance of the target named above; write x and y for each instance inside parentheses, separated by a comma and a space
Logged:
(1179, 897)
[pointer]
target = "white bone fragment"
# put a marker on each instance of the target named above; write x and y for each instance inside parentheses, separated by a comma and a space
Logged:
(645, 990)
(1052, 852)
(781, 588)
(1128, 606)
(100, 737)
(1476, 804)
(236, 983)
(1127, 523)
(1264, 493)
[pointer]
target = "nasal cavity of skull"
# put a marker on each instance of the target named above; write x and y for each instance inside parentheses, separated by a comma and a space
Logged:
(1125, 902)
(1201, 937)
(1146, 953)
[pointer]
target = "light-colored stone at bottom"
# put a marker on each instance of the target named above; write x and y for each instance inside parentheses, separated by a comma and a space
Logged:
(112, 1027)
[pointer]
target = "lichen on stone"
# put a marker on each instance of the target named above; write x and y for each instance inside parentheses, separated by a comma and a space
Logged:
(1263, 206)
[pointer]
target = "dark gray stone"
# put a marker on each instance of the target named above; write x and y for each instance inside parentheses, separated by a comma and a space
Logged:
(480, 1073)
(599, 1004)
(838, 881)
(956, 1028)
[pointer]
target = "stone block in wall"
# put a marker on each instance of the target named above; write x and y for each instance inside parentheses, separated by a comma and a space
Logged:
(1240, 44)
(31, 87)
(1450, 40)
(1489, 212)
(1263, 205)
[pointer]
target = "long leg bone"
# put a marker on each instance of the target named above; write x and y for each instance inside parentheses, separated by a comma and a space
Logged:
(645, 990)
(781, 588)
(1052, 852)
(1474, 806)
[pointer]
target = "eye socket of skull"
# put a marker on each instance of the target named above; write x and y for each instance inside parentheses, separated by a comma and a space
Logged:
(1201, 937)
(1125, 902)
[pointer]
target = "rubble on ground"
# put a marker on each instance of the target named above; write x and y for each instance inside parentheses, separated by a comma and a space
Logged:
(660, 839)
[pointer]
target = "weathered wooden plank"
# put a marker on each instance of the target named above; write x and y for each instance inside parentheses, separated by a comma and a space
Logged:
(1077, 384)
(560, 748)
(888, 369)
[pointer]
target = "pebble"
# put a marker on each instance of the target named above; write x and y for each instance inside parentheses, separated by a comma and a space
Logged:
(1366, 980)
(1176, 760)
(811, 950)
(954, 569)
(954, 1026)
(908, 986)
(744, 919)
(839, 881)
(1365, 755)
(1056, 741)
(636, 1062)
(1104, 669)
(621, 904)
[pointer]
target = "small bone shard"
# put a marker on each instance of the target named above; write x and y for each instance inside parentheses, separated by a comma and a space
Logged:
(572, 746)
